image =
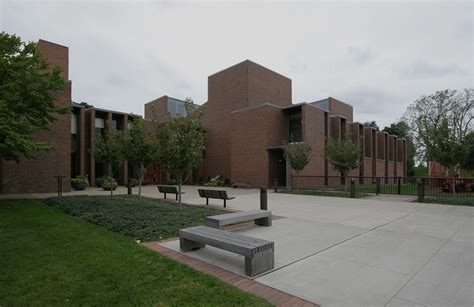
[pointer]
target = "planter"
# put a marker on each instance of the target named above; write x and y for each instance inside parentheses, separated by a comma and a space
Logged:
(79, 186)
(107, 188)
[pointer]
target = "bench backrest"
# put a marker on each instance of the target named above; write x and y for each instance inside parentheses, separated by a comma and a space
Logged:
(219, 194)
(167, 189)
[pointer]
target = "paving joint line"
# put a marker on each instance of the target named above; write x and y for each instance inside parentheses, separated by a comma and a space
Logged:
(416, 273)
(334, 245)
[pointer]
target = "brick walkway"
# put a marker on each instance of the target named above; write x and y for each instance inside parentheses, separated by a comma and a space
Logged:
(276, 297)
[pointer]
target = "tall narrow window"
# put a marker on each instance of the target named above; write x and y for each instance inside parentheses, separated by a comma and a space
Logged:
(74, 124)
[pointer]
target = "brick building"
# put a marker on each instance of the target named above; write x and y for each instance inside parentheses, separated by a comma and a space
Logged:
(248, 117)
(72, 137)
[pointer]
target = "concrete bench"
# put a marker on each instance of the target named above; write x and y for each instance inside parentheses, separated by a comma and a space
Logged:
(168, 189)
(261, 217)
(216, 194)
(258, 253)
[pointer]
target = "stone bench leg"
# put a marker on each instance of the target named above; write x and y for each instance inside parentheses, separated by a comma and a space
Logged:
(259, 263)
(266, 221)
(186, 245)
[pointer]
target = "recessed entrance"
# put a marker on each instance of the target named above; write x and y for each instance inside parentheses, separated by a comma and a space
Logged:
(276, 167)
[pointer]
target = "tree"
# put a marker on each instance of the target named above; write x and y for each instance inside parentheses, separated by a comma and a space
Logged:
(468, 163)
(343, 155)
(28, 90)
(298, 156)
(110, 150)
(140, 148)
(372, 124)
(402, 130)
(181, 144)
(440, 123)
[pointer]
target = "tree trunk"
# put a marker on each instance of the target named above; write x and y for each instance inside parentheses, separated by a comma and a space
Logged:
(180, 179)
(109, 171)
(140, 179)
(297, 181)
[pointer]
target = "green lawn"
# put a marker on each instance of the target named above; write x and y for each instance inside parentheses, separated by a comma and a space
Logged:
(459, 201)
(334, 193)
(50, 258)
(145, 219)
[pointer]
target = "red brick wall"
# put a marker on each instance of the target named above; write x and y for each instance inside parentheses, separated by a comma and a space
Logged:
(33, 176)
(157, 109)
(253, 131)
(241, 86)
(337, 107)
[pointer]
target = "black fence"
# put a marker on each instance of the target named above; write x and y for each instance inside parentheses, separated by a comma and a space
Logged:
(428, 186)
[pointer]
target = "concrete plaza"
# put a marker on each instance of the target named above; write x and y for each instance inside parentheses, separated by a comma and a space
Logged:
(353, 252)
(356, 252)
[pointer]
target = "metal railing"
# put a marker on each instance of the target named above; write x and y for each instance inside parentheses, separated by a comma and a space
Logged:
(432, 186)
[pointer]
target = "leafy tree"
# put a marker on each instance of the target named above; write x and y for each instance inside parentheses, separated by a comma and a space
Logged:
(181, 144)
(468, 163)
(28, 90)
(372, 124)
(440, 123)
(402, 129)
(298, 156)
(342, 154)
(140, 147)
(110, 150)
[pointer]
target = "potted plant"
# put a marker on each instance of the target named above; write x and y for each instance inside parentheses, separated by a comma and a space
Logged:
(109, 183)
(79, 183)
(133, 182)
(99, 181)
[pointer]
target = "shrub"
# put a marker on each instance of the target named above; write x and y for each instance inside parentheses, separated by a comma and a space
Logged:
(218, 181)
(80, 180)
(109, 183)
(99, 181)
(134, 182)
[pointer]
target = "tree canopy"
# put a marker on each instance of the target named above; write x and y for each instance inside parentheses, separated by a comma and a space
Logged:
(440, 123)
(342, 154)
(181, 144)
(28, 90)
(298, 156)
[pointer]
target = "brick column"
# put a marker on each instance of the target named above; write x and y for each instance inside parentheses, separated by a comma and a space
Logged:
(109, 129)
(124, 171)
(395, 156)
(92, 144)
(82, 142)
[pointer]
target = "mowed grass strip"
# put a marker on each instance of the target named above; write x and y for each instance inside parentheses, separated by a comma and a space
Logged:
(49, 258)
(144, 219)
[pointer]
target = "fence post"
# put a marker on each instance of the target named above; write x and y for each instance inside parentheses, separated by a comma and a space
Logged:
(377, 185)
(275, 185)
(421, 190)
(263, 198)
(399, 186)
(353, 188)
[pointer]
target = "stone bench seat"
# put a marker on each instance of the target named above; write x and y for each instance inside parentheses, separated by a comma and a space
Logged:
(258, 253)
(261, 217)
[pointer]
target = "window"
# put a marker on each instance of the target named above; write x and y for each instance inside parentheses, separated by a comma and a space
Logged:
(74, 124)
(114, 125)
(99, 126)
(295, 128)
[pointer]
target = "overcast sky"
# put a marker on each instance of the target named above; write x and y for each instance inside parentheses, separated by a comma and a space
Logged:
(378, 57)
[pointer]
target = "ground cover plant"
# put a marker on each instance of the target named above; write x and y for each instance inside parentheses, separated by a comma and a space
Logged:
(51, 259)
(458, 201)
(143, 219)
(334, 193)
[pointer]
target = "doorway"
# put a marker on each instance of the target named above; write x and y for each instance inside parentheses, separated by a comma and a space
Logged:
(276, 167)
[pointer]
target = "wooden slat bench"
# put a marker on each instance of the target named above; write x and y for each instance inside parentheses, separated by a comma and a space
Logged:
(216, 194)
(258, 253)
(261, 217)
(168, 189)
